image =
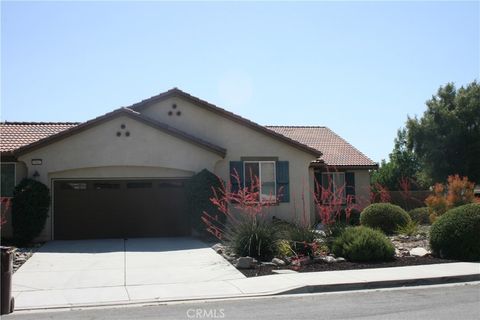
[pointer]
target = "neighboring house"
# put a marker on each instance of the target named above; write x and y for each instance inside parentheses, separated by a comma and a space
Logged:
(122, 174)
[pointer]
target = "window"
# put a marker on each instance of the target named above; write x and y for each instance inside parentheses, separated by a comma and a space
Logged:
(74, 186)
(335, 182)
(106, 186)
(139, 185)
(265, 171)
(8, 179)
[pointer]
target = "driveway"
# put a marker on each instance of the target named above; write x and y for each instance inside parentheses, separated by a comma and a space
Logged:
(67, 273)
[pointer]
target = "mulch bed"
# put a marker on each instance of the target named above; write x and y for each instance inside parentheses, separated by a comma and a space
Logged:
(323, 266)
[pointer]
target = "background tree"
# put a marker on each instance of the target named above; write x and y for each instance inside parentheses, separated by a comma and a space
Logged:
(402, 164)
(446, 139)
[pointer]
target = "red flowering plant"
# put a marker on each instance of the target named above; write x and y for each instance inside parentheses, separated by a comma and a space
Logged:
(332, 204)
(246, 230)
(379, 193)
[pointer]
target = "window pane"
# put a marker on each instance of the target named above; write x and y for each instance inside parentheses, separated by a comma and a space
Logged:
(251, 171)
(7, 179)
(139, 185)
(74, 186)
(106, 186)
(267, 179)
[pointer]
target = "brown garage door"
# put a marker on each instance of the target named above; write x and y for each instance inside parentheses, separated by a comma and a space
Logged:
(93, 209)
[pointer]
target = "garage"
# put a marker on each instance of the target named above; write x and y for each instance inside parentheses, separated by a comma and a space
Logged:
(94, 209)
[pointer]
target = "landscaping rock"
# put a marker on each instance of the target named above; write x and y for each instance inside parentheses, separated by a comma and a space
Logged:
(329, 259)
(419, 252)
(219, 248)
(340, 259)
(278, 262)
(245, 263)
(268, 264)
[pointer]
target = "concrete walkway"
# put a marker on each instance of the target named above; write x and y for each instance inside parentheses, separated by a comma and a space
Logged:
(208, 281)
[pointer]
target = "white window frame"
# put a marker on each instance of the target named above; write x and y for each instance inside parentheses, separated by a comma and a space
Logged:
(14, 174)
(325, 175)
(267, 198)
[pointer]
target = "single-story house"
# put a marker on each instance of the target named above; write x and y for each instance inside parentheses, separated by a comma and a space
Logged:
(123, 174)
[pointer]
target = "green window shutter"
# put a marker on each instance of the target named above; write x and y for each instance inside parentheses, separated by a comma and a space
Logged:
(8, 179)
(350, 184)
(236, 168)
(283, 181)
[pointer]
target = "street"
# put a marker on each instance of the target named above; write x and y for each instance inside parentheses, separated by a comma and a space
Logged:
(459, 301)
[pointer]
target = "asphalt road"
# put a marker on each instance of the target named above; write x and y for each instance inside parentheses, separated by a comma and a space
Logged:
(461, 301)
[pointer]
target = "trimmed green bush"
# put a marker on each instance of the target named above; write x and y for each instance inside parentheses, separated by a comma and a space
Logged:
(363, 244)
(253, 237)
(420, 215)
(456, 234)
(30, 204)
(384, 216)
(198, 191)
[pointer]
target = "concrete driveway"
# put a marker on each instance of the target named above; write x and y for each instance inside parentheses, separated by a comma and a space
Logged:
(67, 273)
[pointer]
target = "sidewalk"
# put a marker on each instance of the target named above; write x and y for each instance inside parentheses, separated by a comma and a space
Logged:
(249, 287)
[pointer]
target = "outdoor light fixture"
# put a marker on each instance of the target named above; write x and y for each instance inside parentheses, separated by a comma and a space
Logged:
(36, 174)
(36, 162)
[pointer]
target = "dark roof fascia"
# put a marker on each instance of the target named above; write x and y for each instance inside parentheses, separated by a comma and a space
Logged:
(175, 92)
(106, 117)
(7, 156)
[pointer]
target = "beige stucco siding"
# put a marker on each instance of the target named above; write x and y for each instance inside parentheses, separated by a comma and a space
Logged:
(241, 141)
(99, 153)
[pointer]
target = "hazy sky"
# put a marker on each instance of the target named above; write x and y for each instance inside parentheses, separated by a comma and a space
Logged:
(358, 68)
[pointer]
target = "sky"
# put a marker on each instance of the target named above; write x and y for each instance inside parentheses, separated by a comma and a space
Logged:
(359, 68)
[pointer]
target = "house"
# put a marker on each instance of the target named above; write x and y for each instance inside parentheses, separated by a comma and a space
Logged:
(122, 174)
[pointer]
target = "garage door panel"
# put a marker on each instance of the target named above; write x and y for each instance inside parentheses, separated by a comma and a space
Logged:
(119, 209)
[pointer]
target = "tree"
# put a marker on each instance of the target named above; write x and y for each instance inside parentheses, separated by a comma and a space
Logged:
(403, 164)
(446, 139)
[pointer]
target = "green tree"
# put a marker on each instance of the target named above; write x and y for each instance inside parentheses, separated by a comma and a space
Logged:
(446, 139)
(402, 164)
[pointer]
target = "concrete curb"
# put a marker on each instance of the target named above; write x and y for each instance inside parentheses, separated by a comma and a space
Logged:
(381, 284)
(299, 290)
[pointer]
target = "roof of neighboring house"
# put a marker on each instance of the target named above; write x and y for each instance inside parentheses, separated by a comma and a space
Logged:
(175, 92)
(126, 112)
(14, 135)
(336, 151)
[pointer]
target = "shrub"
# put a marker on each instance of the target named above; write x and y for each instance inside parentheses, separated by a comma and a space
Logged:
(363, 244)
(409, 229)
(199, 190)
(301, 238)
(456, 234)
(30, 203)
(458, 191)
(253, 237)
(420, 215)
(384, 216)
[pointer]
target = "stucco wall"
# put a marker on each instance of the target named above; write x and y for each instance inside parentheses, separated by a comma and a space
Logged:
(241, 141)
(99, 153)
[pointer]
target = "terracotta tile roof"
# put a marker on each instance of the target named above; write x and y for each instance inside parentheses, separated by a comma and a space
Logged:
(14, 135)
(336, 151)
